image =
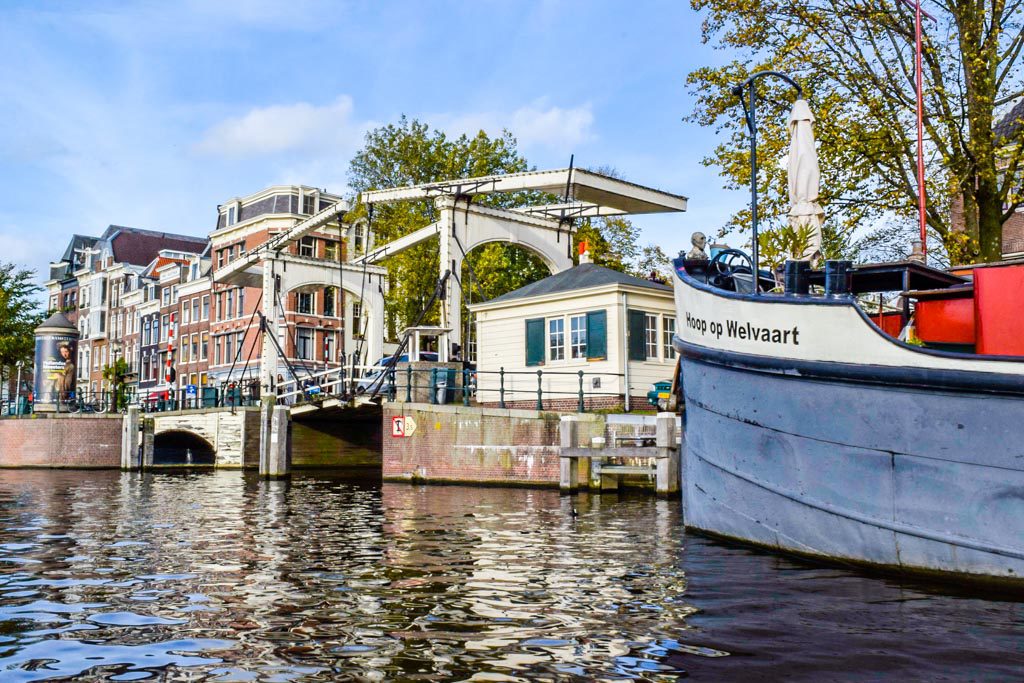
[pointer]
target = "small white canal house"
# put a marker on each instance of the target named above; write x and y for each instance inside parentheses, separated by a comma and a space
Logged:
(614, 327)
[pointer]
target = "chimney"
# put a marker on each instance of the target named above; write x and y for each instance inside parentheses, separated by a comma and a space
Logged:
(584, 253)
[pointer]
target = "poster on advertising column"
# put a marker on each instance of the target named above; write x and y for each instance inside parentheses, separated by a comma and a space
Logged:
(55, 362)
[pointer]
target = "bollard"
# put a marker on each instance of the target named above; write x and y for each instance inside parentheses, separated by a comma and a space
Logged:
(540, 390)
(465, 387)
(408, 384)
(277, 462)
(130, 439)
(501, 388)
(579, 405)
(433, 385)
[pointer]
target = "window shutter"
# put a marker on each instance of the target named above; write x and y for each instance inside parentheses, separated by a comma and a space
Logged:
(597, 335)
(535, 341)
(637, 325)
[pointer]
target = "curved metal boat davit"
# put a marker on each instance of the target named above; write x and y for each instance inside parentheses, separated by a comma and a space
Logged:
(809, 430)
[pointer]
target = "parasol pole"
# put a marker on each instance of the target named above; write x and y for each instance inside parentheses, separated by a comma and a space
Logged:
(750, 116)
(919, 86)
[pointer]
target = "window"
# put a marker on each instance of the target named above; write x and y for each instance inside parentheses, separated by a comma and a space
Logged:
(204, 346)
(331, 251)
(194, 339)
(357, 239)
(329, 301)
(305, 302)
(304, 340)
(195, 310)
(357, 319)
(229, 311)
(651, 336)
(668, 329)
(166, 296)
(556, 339)
(164, 322)
(183, 356)
(241, 301)
(307, 246)
(232, 215)
(185, 313)
(145, 332)
(206, 307)
(216, 351)
(239, 343)
(229, 348)
(578, 336)
(220, 258)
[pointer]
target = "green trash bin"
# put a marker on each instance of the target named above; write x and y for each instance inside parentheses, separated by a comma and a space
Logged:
(443, 385)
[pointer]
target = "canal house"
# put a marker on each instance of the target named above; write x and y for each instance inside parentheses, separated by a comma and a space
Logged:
(614, 328)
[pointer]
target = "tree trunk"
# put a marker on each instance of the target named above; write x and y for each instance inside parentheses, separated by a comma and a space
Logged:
(990, 222)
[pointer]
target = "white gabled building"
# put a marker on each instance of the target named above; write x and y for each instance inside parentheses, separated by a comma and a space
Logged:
(614, 327)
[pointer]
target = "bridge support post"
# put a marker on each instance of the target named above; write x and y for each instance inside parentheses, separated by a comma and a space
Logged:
(277, 462)
(148, 441)
(667, 474)
(130, 440)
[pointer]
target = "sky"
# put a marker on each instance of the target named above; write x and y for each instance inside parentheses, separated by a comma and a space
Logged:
(151, 114)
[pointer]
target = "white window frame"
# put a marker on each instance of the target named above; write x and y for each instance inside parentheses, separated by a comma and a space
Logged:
(578, 337)
(668, 329)
(651, 336)
(556, 339)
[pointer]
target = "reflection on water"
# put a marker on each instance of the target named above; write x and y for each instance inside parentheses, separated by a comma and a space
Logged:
(222, 577)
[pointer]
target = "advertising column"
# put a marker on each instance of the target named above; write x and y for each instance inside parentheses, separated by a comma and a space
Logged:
(56, 358)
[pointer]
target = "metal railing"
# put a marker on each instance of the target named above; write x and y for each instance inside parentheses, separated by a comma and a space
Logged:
(443, 388)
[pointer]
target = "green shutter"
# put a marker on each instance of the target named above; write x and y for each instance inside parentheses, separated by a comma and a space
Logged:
(597, 335)
(535, 341)
(637, 332)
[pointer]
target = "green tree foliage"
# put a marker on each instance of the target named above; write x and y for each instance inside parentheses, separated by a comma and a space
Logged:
(855, 60)
(19, 315)
(410, 153)
(115, 373)
(654, 264)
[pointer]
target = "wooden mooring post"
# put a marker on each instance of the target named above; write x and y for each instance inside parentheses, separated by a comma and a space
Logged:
(590, 467)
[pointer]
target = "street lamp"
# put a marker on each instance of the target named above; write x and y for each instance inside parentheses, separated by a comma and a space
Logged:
(750, 113)
(17, 389)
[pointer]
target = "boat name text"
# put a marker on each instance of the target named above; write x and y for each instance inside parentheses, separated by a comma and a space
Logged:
(744, 330)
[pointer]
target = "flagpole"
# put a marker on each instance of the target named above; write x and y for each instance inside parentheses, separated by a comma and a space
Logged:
(922, 203)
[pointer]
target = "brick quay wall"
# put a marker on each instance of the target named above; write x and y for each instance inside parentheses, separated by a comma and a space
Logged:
(477, 445)
(61, 441)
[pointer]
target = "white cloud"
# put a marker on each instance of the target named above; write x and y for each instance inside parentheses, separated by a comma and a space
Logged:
(280, 129)
(535, 125)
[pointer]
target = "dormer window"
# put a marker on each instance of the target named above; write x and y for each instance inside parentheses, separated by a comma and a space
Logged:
(232, 215)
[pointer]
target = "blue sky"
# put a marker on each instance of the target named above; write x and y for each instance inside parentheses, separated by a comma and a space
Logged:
(150, 114)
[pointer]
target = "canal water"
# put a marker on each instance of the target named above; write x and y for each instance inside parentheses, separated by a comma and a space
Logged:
(223, 577)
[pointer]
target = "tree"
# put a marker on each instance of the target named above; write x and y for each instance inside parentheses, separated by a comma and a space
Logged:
(855, 61)
(19, 315)
(115, 373)
(410, 153)
(654, 264)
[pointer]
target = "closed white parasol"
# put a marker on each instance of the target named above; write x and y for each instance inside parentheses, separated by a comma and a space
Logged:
(804, 177)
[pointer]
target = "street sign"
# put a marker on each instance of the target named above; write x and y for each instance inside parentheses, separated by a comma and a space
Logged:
(402, 426)
(190, 390)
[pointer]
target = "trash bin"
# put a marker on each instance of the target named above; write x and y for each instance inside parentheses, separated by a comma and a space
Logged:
(443, 384)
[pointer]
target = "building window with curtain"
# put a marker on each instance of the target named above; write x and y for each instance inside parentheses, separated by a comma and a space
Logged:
(304, 341)
(305, 303)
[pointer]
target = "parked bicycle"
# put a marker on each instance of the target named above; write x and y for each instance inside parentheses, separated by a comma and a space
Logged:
(80, 402)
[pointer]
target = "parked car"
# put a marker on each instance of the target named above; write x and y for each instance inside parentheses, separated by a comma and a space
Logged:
(659, 394)
(372, 380)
